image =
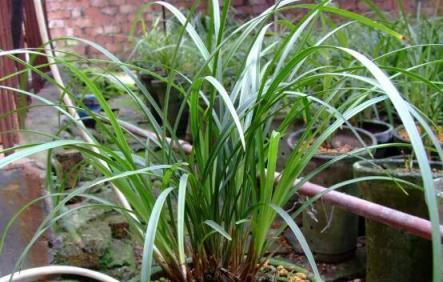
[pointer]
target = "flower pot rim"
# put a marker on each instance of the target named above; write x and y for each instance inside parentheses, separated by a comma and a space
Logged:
(398, 137)
(368, 167)
(389, 126)
(293, 135)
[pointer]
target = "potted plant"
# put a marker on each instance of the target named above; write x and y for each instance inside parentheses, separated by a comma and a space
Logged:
(332, 233)
(422, 69)
(160, 60)
(405, 256)
(206, 215)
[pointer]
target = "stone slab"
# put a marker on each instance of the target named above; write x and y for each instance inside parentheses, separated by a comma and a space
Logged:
(19, 184)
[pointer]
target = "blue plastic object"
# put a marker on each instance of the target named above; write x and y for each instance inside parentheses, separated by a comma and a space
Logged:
(90, 101)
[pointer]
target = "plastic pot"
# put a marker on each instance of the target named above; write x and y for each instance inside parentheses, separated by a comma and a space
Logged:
(394, 255)
(337, 242)
(158, 89)
(383, 133)
(90, 101)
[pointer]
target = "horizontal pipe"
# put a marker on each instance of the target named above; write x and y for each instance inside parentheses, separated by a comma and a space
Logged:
(391, 217)
(399, 220)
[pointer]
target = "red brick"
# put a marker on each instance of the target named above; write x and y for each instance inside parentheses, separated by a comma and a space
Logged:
(111, 29)
(386, 5)
(244, 10)
(348, 4)
(110, 11)
(54, 6)
(99, 3)
(112, 47)
(57, 32)
(80, 49)
(238, 2)
(361, 6)
(94, 14)
(259, 8)
(133, 2)
(94, 31)
(76, 13)
(69, 31)
(56, 23)
(257, 2)
(60, 14)
(127, 9)
(84, 22)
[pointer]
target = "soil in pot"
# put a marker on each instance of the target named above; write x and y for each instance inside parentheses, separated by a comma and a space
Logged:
(158, 90)
(383, 133)
(331, 232)
(401, 135)
(394, 255)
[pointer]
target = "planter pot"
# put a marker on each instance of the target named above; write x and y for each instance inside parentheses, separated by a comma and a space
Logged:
(383, 133)
(158, 89)
(392, 254)
(400, 138)
(284, 149)
(90, 101)
(338, 242)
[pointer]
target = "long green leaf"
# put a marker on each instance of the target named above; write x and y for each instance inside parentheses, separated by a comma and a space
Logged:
(181, 217)
(151, 230)
(301, 239)
(23, 153)
(218, 228)
(225, 97)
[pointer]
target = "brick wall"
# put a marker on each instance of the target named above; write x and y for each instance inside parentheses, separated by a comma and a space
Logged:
(108, 22)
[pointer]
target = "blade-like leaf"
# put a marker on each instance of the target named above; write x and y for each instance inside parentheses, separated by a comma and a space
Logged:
(37, 149)
(218, 228)
(301, 239)
(151, 230)
(225, 97)
(181, 217)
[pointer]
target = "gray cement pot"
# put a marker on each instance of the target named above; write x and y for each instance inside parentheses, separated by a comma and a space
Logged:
(394, 255)
(338, 242)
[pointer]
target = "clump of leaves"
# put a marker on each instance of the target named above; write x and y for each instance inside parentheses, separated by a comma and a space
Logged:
(216, 204)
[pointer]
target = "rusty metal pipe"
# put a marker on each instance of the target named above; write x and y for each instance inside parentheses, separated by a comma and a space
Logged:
(391, 217)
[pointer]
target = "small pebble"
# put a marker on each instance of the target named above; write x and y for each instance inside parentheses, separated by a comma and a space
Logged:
(301, 275)
(282, 271)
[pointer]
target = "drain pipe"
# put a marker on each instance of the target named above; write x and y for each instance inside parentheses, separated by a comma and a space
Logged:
(42, 272)
(399, 220)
